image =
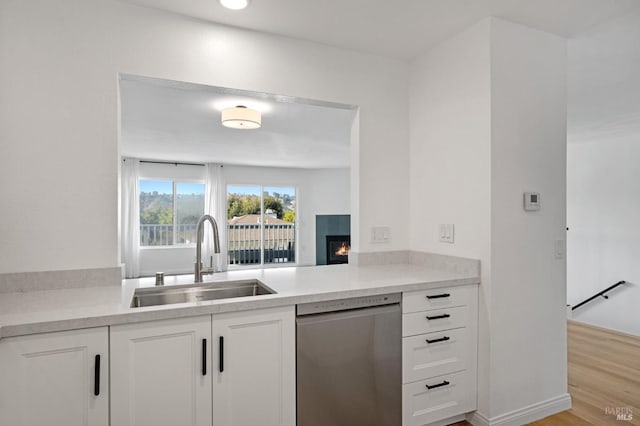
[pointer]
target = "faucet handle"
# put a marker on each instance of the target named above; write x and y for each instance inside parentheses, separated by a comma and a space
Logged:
(211, 262)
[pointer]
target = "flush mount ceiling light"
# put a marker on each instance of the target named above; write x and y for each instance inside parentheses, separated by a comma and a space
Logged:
(235, 4)
(241, 117)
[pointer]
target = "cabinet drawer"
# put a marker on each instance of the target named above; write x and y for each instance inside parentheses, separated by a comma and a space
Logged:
(435, 354)
(453, 394)
(436, 320)
(437, 298)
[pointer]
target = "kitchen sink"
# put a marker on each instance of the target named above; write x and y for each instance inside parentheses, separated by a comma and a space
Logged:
(198, 292)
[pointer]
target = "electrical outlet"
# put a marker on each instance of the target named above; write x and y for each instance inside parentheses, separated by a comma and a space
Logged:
(380, 234)
(446, 233)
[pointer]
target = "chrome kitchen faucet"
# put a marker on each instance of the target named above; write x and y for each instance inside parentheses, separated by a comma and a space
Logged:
(199, 269)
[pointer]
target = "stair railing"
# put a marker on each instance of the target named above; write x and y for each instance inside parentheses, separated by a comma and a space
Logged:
(603, 293)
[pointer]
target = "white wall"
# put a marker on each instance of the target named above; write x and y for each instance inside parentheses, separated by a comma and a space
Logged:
(488, 123)
(450, 146)
(603, 177)
(58, 117)
(528, 153)
(450, 157)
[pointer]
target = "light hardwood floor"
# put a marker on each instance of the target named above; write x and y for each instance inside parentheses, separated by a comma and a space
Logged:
(604, 373)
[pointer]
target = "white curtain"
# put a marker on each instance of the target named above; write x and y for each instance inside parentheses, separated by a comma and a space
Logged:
(130, 218)
(215, 204)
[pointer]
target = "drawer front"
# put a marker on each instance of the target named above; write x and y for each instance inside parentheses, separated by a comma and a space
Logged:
(436, 320)
(438, 298)
(455, 395)
(435, 354)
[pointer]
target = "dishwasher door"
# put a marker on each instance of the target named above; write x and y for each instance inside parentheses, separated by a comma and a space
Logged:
(349, 368)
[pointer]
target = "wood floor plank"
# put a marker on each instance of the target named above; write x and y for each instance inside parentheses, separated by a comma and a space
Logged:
(566, 418)
(604, 375)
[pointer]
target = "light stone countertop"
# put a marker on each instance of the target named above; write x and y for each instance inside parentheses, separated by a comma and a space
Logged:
(67, 309)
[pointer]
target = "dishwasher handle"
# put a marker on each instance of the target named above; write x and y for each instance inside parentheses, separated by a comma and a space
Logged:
(350, 314)
(348, 304)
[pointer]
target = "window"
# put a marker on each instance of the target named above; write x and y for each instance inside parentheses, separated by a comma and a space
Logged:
(169, 212)
(261, 224)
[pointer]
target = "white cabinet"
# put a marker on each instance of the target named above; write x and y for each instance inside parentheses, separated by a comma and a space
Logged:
(169, 372)
(439, 354)
(55, 379)
(438, 398)
(254, 368)
(160, 373)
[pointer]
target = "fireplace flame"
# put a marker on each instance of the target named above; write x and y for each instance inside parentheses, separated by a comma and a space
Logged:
(343, 250)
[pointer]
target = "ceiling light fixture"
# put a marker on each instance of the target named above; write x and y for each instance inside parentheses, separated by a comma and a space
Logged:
(241, 117)
(235, 4)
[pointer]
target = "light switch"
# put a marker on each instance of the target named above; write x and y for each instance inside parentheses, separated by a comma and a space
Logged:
(559, 249)
(446, 233)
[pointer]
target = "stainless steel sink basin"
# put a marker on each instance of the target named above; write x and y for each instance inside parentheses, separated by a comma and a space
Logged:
(198, 292)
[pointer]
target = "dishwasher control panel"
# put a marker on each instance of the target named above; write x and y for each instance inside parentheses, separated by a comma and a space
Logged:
(346, 304)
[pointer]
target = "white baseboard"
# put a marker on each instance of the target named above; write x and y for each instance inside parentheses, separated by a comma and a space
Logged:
(477, 419)
(524, 415)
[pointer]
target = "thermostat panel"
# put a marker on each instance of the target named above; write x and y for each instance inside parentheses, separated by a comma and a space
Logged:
(531, 201)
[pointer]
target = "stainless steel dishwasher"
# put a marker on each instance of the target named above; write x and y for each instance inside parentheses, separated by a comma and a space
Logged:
(349, 362)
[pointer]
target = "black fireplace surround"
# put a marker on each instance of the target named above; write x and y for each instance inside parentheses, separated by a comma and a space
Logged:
(338, 247)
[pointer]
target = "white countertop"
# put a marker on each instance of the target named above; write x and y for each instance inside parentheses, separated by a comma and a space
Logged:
(67, 309)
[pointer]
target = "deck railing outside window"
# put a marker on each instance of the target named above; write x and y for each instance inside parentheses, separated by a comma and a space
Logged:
(162, 235)
(243, 241)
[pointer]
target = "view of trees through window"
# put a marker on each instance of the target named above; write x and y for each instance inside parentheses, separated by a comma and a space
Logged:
(169, 212)
(261, 224)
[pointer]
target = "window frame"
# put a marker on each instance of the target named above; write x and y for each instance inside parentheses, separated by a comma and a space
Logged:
(174, 182)
(262, 214)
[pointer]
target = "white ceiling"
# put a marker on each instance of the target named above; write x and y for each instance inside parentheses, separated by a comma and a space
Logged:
(396, 28)
(180, 122)
(174, 121)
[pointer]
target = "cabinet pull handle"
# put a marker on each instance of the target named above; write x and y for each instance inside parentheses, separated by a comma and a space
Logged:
(96, 376)
(221, 357)
(204, 357)
(442, 339)
(438, 296)
(435, 317)
(444, 383)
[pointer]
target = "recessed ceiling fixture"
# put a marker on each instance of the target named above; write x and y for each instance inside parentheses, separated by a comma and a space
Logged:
(241, 117)
(235, 4)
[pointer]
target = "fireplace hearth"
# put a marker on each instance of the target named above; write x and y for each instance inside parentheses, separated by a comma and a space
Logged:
(338, 247)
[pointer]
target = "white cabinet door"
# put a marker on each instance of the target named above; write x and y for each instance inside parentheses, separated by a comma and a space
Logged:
(50, 379)
(254, 381)
(158, 375)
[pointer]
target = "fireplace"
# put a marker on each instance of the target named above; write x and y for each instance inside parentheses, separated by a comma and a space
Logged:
(338, 247)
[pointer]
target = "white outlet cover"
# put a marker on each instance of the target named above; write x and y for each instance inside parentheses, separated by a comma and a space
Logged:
(380, 234)
(446, 233)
